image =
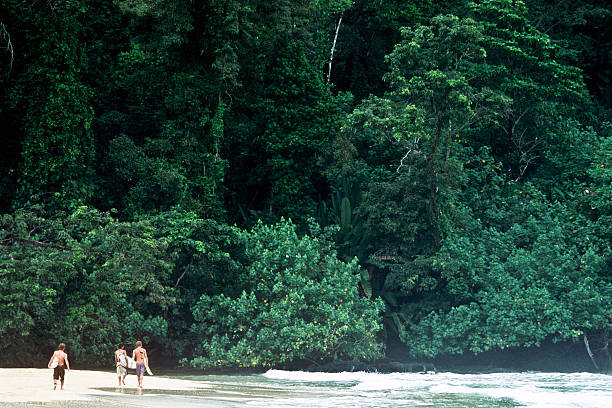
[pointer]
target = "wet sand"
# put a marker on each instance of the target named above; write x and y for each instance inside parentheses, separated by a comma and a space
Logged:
(34, 386)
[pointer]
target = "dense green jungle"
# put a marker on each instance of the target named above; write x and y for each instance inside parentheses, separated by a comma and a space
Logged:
(253, 184)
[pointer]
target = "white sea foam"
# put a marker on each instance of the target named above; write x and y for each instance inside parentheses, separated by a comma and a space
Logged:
(534, 397)
(315, 376)
(381, 383)
(531, 389)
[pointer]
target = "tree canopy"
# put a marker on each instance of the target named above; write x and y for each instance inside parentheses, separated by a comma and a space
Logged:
(250, 184)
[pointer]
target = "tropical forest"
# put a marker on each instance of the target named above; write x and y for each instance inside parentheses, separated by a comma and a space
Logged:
(246, 184)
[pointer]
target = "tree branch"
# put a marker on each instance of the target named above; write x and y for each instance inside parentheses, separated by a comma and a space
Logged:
(183, 274)
(413, 150)
(12, 239)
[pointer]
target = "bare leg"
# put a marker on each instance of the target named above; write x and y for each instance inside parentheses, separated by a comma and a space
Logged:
(124, 380)
(54, 384)
(140, 381)
(119, 380)
(62, 383)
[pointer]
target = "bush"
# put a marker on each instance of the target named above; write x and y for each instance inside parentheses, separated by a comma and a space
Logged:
(300, 302)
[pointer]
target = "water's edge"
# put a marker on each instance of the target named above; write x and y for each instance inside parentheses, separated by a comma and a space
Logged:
(280, 388)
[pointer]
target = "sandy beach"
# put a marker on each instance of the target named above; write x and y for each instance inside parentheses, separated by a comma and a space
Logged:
(36, 385)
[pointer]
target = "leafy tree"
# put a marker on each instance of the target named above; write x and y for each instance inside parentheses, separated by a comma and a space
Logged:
(541, 90)
(207, 258)
(471, 178)
(584, 29)
(279, 132)
(528, 277)
(57, 148)
(418, 124)
(369, 30)
(295, 94)
(474, 107)
(97, 282)
(298, 302)
(166, 106)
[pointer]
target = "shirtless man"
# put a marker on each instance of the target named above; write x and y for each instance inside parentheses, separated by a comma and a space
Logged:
(142, 361)
(62, 364)
(121, 361)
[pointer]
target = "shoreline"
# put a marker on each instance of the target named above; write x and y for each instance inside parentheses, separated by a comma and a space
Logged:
(36, 384)
(32, 388)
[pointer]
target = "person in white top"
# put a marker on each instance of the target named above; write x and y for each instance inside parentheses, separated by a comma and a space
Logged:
(122, 363)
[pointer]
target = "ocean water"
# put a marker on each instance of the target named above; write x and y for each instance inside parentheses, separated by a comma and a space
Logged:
(277, 388)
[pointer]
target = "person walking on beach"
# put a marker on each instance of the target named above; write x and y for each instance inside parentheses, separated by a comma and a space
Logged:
(59, 370)
(142, 361)
(122, 363)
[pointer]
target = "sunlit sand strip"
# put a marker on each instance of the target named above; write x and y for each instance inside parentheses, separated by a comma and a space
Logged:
(36, 384)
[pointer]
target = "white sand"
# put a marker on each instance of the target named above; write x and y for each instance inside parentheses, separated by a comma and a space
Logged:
(36, 384)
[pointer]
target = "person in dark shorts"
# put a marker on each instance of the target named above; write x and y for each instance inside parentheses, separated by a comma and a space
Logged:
(142, 361)
(62, 364)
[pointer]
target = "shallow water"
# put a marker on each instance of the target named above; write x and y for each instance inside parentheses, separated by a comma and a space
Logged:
(301, 389)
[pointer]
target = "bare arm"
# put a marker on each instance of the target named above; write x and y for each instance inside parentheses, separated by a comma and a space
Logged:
(50, 360)
(146, 358)
(67, 363)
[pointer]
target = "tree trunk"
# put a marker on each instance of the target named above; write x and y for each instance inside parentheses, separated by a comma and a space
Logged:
(586, 343)
(331, 56)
